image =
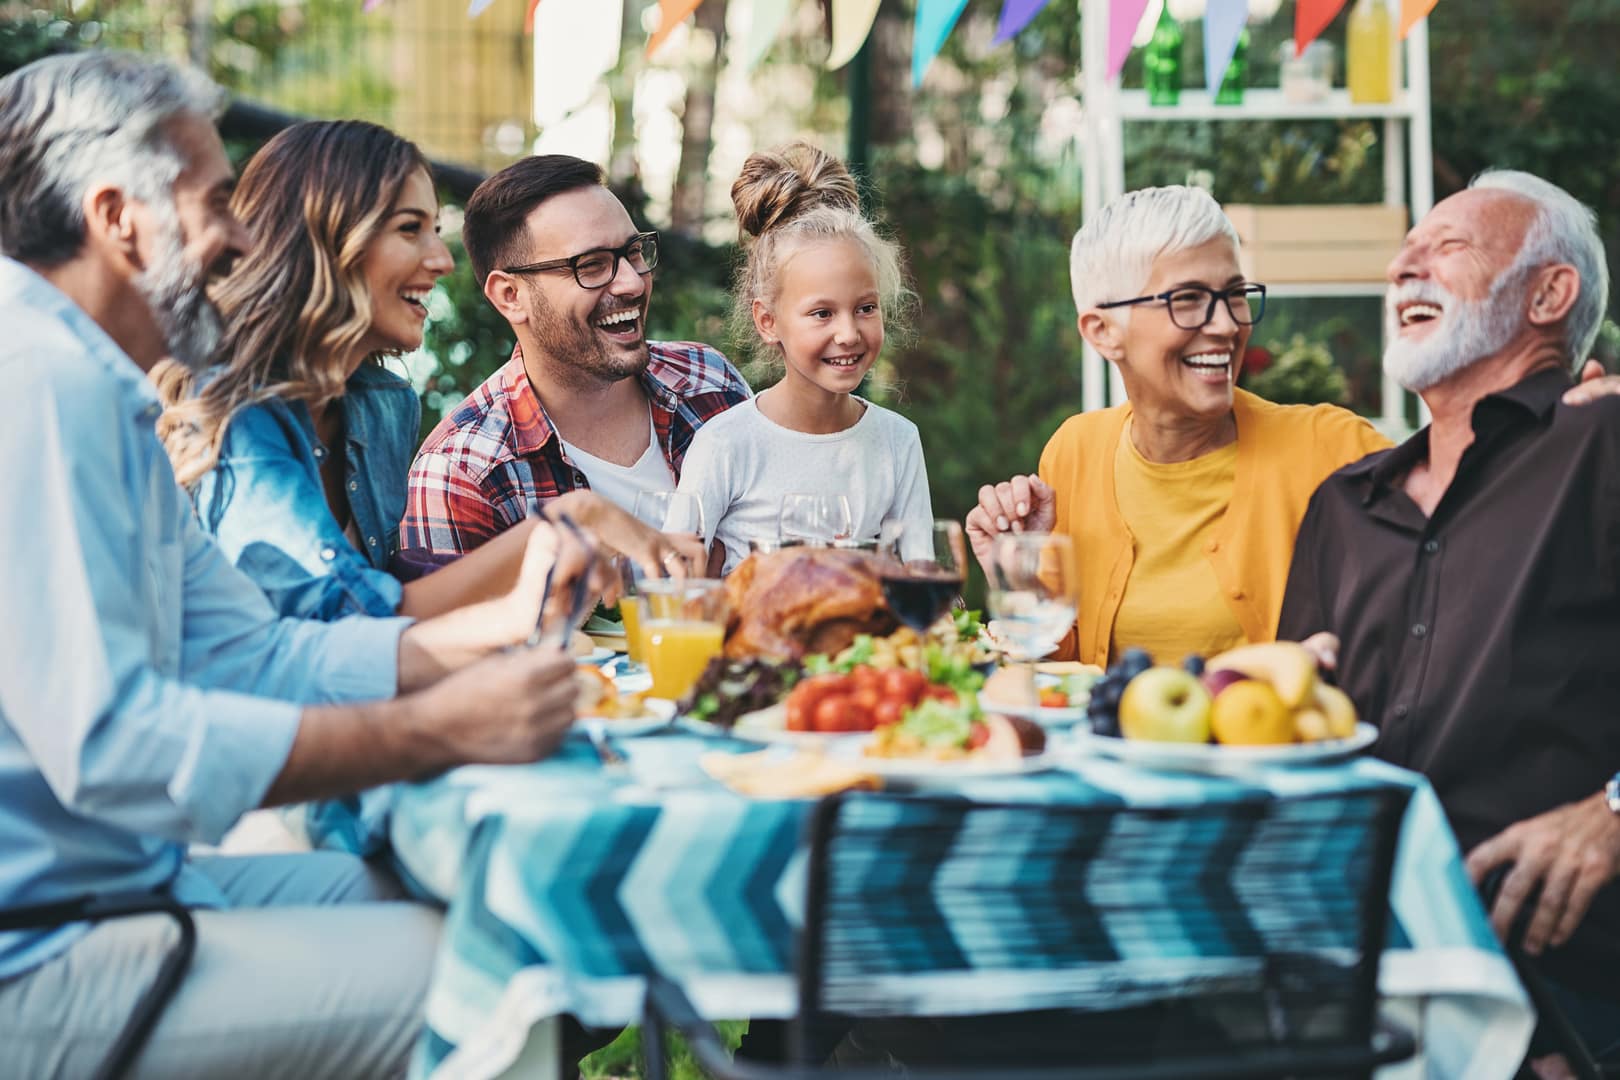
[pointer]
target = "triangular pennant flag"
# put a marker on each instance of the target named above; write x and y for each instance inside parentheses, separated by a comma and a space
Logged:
(670, 14)
(370, 5)
(476, 8)
(1223, 25)
(935, 18)
(1123, 17)
(851, 22)
(1312, 17)
(1414, 12)
(528, 17)
(1015, 15)
(767, 22)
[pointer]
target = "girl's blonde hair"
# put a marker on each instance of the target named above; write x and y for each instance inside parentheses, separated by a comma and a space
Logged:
(790, 196)
(296, 307)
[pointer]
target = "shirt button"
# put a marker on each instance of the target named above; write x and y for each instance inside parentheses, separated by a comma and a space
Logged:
(1400, 712)
(328, 554)
(1237, 594)
(371, 540)
(1213, 546)
(1431, 546)
(354, 485)
(1420, 631)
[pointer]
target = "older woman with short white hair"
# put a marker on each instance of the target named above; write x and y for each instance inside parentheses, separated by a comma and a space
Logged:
(1182, 503)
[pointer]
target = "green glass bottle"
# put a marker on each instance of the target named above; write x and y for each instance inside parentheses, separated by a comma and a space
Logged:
(1162, 61)
(1237, 73)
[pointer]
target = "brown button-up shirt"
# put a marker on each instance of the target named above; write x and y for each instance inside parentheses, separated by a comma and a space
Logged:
(1484, 642)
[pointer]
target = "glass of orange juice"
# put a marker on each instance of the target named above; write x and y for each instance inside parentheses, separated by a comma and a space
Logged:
(683, 625)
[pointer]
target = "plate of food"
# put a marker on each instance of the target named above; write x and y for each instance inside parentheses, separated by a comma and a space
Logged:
(624, 714)
(1049, 698)
(939, 741)
(1256, 706)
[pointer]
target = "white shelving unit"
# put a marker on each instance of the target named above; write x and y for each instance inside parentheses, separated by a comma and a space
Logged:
(1408, 161)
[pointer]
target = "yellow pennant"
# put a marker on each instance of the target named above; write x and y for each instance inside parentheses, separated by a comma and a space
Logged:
(851, 22)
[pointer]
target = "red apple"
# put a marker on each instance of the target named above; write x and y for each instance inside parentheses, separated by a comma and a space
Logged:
(1216, 681)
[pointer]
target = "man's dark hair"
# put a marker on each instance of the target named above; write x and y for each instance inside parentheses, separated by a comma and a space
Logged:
(493, 228)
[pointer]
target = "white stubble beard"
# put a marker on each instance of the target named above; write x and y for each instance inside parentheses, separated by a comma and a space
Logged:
(174, 288)
(1469, 330)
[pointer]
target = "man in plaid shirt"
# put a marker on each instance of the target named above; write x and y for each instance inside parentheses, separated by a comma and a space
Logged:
(586, 402)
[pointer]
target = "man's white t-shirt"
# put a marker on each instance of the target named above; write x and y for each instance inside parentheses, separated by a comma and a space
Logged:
(741, 463)
(619, 484)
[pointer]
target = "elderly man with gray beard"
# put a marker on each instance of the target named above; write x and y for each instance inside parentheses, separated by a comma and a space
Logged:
(1472, 574)
(148, 693)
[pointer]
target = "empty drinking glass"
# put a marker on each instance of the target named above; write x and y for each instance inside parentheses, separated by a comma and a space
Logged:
(1032, 582)
(816, 520)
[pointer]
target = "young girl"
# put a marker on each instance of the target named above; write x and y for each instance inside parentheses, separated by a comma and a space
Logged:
(814, 291)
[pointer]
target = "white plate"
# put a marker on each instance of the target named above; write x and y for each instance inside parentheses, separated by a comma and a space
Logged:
(768, 727)
(928, 771)
(1223, 760)
(596, 656)
(1044, 717)
(657, 715)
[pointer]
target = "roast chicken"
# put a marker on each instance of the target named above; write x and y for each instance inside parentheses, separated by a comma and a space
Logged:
(789, 603)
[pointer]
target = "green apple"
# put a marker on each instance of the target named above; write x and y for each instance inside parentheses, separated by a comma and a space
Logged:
(1165, 704)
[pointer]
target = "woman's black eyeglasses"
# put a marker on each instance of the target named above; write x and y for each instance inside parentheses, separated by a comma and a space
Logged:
(1193, 306)
(595, 268)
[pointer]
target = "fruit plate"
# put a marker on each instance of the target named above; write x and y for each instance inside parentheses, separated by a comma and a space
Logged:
(1223, 760)
(656, 715)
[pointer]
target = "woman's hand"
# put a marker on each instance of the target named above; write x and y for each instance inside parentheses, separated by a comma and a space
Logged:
(1022, 504)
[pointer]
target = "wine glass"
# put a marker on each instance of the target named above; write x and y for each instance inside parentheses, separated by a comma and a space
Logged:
(922, 571)
(1032, 583)
(816, 520)
(670, 511)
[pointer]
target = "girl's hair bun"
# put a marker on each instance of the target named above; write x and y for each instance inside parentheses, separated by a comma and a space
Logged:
(776, 186)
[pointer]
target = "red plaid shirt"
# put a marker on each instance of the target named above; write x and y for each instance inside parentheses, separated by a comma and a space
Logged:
(478, 471)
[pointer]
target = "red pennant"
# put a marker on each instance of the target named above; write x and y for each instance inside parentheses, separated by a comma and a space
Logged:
(1414, 12)
(528, 17)
(1311, 17)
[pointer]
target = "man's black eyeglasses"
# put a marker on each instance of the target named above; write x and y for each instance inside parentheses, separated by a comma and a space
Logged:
(1193, 306)
(595, 268)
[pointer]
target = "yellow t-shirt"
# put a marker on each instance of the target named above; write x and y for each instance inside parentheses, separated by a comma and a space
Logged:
(1173, 603)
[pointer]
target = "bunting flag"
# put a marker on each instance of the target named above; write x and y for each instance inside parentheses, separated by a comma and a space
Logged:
(768, 16)
(1223, 25)
(935, 19)
(576, 42)
(476, 8)
(1414, 12)
(528, 16)
(851, 22)
(1312, 17)
(1015, 15)
(1123, 17)
(369, 6)
(670, 14)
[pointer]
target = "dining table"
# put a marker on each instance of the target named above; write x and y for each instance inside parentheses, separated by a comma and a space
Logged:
(566, 882)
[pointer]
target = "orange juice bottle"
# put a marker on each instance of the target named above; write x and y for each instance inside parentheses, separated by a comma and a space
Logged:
(1370, 53)
(677, 652)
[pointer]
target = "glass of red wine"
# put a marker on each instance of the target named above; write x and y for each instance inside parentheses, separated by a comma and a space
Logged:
(922, 570)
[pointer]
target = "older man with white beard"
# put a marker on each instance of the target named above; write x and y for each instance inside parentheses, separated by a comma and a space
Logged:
(148, 693)
(1472, 574)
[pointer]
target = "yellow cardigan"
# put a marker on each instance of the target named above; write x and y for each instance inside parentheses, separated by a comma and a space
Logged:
(1284, 452)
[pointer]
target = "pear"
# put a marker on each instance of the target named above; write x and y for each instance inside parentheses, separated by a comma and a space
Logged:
(1287, 665)
(1311, 725)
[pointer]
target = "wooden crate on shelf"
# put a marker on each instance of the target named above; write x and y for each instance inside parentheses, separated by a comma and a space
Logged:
(1338, 243)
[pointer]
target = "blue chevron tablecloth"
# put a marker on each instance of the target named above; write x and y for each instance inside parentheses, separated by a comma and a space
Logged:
(565, 886)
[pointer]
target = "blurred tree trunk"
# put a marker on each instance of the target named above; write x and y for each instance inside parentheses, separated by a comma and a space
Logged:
(621, 83)
(690, 196)
(890, 42)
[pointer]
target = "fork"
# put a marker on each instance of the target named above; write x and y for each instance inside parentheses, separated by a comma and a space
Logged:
(606, 753)
(579, 597)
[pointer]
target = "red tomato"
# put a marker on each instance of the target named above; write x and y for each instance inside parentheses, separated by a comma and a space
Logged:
(904, 684)
(830, 683)
(978, 735)
(889, 711)
(935, 692)
(1053, 698)
(860, 717)
(800, 712)
(864, 677)
(867, 697)
(836, 713)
